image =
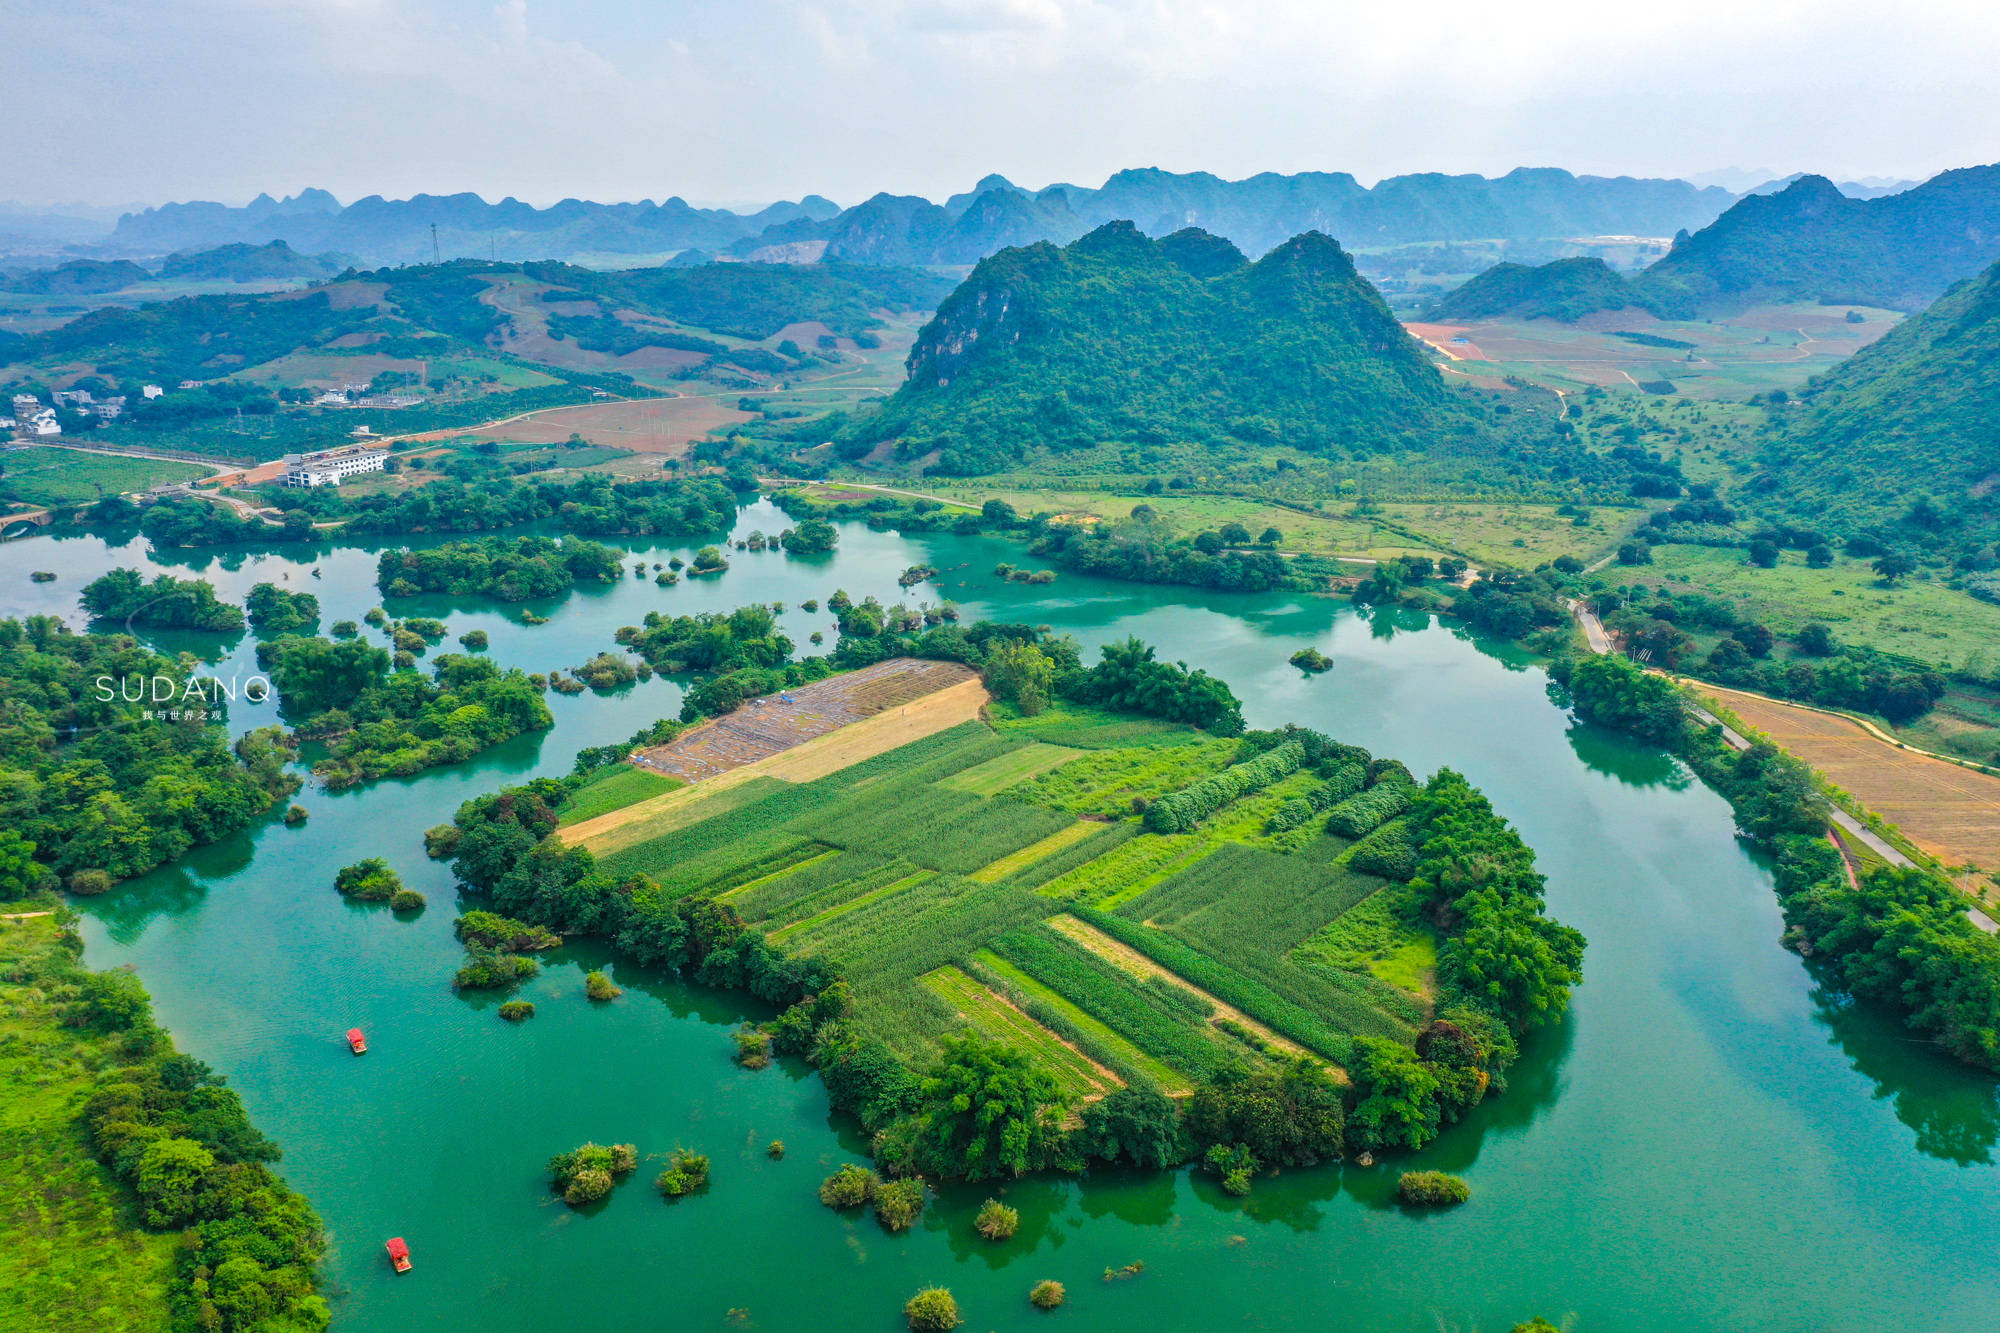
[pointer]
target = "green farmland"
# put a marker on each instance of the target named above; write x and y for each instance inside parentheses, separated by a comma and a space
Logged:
(40, 475)
(930, 874)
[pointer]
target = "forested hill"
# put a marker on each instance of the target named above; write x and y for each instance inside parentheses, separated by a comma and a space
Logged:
(1807, 242)
(1566, 289)
(1120, 340)
(1908, 419)
(1810, 242)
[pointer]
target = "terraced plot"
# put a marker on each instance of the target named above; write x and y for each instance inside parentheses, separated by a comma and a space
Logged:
(996, 1019)
(983, 875)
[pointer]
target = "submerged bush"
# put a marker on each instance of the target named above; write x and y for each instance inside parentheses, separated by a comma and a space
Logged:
(753, 1048)
(1047, 1294)
(406, 900)
(932, 1310)
(516, 1011)
(686, 1172)
(899, 1203)
(849, 1187)
(586, 1174)
(1433, 1189)
(599, 987)
(370, 881)
(996, 1221)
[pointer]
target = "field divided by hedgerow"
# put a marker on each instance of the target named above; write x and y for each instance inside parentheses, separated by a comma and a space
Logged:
(929, 874)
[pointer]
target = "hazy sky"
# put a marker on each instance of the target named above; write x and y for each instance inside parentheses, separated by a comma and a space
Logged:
(727, 101)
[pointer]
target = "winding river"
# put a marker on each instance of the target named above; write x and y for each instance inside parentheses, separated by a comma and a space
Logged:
(1708, 1142)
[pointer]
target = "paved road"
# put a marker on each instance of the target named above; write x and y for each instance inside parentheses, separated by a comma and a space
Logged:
(1848, 824)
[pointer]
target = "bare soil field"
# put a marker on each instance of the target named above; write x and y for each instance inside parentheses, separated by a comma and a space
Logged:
(765, 726)
(663, 427)
(1951, 813)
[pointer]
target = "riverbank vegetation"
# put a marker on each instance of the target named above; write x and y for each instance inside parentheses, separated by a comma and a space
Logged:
(1897, 935)
(117, 785)
(377, 722)
(508, 569)
(138, 1194)
(1002, 966)
(125, 597)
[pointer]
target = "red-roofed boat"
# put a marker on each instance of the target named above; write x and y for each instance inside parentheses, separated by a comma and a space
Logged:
(399, 1254)
(356, 1042)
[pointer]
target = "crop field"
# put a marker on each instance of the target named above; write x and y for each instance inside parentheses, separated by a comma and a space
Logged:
(40, 475)
(1010, 866)
(993, 1017)
(946, 877)
(1005, 770)
(659, 427)
(771, 724)
(1950, 812)
(1762, 348)
(614, 789)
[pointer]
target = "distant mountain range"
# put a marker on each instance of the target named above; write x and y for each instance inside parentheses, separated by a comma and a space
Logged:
(1807, 242)
(237, 262)
(1255, 214)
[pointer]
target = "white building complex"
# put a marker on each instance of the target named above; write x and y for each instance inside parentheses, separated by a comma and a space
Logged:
(329, 466)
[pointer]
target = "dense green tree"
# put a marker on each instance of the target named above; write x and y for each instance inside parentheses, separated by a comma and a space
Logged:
(985, 1109)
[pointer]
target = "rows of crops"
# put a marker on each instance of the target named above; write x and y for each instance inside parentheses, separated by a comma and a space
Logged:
(1148, 1016)
(1003, 771)
(1101, 841)
(1108, 781)
(1099, 1041)
(1014, 863)
(996, 1019)
(929, 873)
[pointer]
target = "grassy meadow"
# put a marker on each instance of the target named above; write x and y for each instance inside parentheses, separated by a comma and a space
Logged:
(40, 475)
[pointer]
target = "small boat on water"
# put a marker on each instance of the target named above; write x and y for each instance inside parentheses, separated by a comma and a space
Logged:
(356, 1042)
(399, 1254)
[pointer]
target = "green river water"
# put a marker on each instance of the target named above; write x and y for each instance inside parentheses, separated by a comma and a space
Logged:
(1708, 1142)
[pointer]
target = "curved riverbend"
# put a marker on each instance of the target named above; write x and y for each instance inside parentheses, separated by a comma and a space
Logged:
(1707, 1141)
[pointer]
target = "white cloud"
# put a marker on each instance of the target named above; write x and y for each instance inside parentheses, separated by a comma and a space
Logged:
(768, 98)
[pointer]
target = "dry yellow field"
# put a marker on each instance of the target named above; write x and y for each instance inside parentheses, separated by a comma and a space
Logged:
(1949, 812)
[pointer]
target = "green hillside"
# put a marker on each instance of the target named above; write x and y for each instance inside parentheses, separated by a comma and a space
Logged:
(1566, 289)
(1118, 340)
(1810, 242)
(1807, 242)
(1908, 418)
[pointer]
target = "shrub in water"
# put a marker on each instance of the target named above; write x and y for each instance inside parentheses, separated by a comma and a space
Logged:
(369, 881)
(406, 900)
(686, 1172)
(90, 883)
(849, 1187)
(1433, 1189)
(899, 1203)
(515, 1011)
(932, 1310)
(996, 1221)
(586, 1174)
(598, 987)
(1047, 1295)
